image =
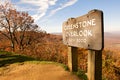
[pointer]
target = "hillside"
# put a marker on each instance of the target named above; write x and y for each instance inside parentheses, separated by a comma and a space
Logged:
(112, 40)
(50, 47)
(19, 67)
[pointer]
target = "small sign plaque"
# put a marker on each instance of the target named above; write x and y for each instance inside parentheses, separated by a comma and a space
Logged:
(85, 31)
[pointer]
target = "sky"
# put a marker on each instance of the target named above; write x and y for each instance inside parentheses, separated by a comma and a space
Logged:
(50, 14)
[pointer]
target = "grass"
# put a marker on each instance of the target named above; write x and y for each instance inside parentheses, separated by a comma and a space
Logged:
(81, 74)
(50, 62)
(7, 58)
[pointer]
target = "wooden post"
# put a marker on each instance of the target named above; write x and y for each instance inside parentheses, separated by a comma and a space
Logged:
(73, 59)
(94, 65)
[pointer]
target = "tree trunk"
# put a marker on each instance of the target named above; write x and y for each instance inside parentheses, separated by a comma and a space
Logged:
(12, 45)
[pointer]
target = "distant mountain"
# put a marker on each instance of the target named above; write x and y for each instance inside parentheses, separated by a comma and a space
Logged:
(107, 34)
(56, 33)
(111, 39)
(116, 32)
(112, 34)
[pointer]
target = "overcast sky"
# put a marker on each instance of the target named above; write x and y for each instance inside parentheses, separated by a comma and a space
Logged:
(50, 14)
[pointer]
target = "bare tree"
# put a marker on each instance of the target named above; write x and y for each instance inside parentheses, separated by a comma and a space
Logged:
(15, 25)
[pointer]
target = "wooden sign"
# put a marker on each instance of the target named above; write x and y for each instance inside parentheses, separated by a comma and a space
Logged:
(85, 31)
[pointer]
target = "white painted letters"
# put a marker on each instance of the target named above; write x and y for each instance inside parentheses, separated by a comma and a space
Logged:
(79, 24)
(84, 32)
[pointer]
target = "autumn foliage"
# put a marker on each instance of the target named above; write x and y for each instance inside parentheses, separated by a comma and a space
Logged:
(16, 25)
(18, 33)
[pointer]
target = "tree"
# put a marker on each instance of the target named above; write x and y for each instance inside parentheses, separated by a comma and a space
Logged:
(15, 25)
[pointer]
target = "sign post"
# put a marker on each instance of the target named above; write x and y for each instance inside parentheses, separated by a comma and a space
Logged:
(86, 32)
(94, 65)
(72, 58)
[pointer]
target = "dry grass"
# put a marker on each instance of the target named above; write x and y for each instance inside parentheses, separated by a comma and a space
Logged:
(32, 71)
(19, 67)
